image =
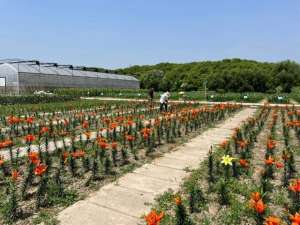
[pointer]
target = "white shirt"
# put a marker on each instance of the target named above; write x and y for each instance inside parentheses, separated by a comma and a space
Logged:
(163, 98)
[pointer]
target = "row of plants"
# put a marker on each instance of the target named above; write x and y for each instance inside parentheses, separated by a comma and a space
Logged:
(33, 99)
(143, 94)
(102, 92)
(58, 107)
(99, 148)
(252, 178)
(68, 94)
(281, 98)
(16, 127)
(237, 97)
(127, 93)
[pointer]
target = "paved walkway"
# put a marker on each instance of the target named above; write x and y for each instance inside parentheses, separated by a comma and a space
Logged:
(126, 200)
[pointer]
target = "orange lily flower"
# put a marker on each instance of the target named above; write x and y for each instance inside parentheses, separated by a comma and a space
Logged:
(255, 196)
(5, 144)
(178, 200)
(242, 144)
(269, 161)
(13, 120)
(272, 220)
(1, 160)
(295, 219)
(260, 207)
(153, 218)
(295, 186)
(103, 145)
(65, 156)
(78, 154)
(271, 144)
(224, 144)
(244, 163)
(256, 203)
(15, 175)
(129, 123)
(113, 126)
(34, 157)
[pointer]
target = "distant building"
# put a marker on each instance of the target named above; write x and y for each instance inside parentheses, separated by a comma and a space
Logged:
(19, 76)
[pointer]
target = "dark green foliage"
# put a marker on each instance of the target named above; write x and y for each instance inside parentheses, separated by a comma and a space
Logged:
(41, 192)
(228, 75)
(86, 163)
(224, 196)
(28, 180)
(182, 217)
(196, 199)
(235, 171)
(107, 164)
(124, 155)
(33, 99)
(95, 169)
(72, 166)
(211, 177)
(266, 185)
(10, 210)
(114, 156)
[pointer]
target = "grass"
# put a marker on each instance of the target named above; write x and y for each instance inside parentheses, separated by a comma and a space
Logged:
(46, 218)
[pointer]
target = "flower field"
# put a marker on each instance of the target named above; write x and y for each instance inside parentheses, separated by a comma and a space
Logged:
(143, 94)
(251, 178)
(55, 154)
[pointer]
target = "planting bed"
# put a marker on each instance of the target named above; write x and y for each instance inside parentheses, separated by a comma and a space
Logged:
(51, 159)
(251, 178)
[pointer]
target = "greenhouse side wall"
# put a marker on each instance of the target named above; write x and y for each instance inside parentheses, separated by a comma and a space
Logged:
(9, 83)
(32, 81)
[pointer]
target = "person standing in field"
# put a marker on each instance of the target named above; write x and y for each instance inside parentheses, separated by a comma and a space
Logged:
(164, 99)
(151, 94)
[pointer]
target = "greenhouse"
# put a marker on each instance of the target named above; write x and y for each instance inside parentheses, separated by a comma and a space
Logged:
(19, 76)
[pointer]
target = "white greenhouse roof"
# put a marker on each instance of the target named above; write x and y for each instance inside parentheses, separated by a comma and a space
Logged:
(29, 68)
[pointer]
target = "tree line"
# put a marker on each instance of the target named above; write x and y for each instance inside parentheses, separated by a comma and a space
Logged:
(228, 75)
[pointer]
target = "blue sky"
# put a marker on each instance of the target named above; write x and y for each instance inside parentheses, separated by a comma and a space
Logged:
(119, 33)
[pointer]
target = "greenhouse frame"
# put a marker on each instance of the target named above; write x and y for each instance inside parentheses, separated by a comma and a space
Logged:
(19, 76)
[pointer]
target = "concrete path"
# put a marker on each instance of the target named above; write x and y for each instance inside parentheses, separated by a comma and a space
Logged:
(126, 200)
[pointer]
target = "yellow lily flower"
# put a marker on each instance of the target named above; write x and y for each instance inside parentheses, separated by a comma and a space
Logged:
(227, 160)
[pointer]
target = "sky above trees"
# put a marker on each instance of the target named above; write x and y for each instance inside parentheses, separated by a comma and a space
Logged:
(120, 33)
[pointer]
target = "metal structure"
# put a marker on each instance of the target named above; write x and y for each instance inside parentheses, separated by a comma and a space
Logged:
(19, 76)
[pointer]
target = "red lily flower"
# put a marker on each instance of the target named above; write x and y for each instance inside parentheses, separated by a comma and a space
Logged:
(40, 169)
(114, 145)
(30, 138)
